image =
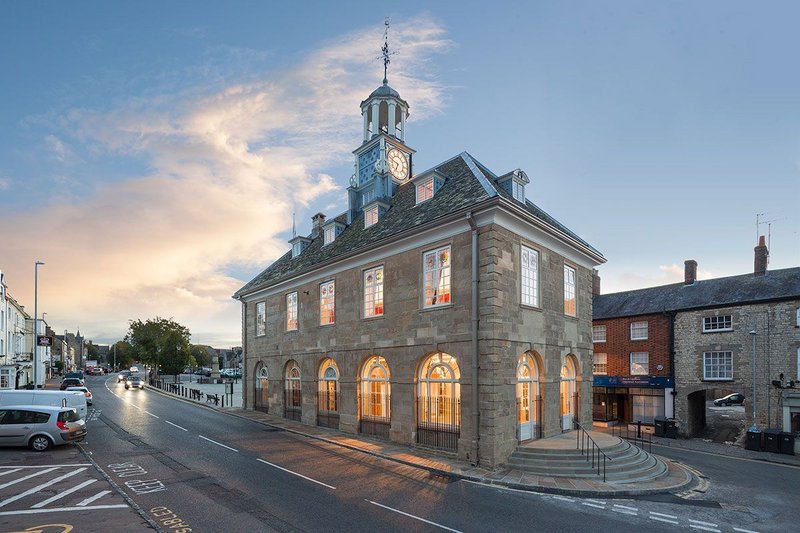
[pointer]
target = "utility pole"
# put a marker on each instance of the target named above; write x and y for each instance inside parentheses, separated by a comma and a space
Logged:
(115, 357)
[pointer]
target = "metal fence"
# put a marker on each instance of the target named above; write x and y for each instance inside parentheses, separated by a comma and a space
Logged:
(293, 404)
(328, 408)
(375, 415)
(439, 422)
(261, 397)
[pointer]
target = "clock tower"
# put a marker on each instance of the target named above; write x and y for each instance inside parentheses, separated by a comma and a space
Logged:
(383, 161)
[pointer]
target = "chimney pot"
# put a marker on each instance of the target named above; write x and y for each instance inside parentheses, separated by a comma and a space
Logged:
(316, 225)
(689, 272)
(761, 257)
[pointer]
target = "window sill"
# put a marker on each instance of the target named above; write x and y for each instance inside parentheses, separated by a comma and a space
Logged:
(598, 342)
(728, 330)
(644, 339)
(531, 307)
(436, 307)
(327, 325)
(715, 380)
(376, 317)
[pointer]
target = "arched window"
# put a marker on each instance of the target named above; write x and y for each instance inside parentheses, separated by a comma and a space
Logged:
(375, 397)
(261, 395)
(439, 402)
(569, 393)
(293, 399)
(328, 394)
(529, 401)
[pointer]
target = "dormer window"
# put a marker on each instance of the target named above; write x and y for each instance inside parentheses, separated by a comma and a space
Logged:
(518, 191)
(514, 183)
(298, 245)
(330, 231)
(296, 249)
(330, 234)
(424, 190)
(371, 216)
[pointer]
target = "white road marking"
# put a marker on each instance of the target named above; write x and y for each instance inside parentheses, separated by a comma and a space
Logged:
(20, 480)
(595, 501)
(15, 468)
(673, 522)
(664, 515)
(702, 523)
(218, 443)
(90, 499)
(11, 471)
(501, 487)
(151, 414)
(65, 493)
(413, 516)
(744, 530)
(704, 528)
(296, 474)
(563, 498)
(176, 425)
(60, 509)
(626, 507)
(37, 488)
(595, 505)
(623, 511)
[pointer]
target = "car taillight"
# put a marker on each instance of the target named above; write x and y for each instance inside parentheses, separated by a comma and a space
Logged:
(62, 425)
(88, 394)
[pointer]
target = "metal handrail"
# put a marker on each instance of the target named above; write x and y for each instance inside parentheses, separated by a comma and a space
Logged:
(582, 443)
(638, 437)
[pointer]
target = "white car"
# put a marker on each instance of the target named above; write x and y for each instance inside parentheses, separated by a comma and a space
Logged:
(86, 392)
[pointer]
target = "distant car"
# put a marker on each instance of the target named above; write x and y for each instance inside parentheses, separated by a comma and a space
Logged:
(134, 368)
(134, 382)
(86, 392)
(123, 375)
(737, 398)
(40, 427)
(71, 382)
(74, 374)
(97, 371)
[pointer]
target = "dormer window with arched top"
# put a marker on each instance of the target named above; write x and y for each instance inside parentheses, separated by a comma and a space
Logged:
(514, 183)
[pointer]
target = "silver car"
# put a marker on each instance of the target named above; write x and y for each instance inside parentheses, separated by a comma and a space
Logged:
(40, 427)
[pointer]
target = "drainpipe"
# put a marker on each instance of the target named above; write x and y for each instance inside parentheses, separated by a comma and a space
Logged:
(671, 317)
(476, 407)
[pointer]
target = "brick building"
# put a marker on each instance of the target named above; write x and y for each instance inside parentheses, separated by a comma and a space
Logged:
(442, 308)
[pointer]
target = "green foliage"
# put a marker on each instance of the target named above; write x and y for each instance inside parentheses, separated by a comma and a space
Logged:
(124, 354)
(92, 351)
(160, 342)
(200, 355)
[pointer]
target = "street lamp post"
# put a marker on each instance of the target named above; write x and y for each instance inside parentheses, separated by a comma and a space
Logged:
(36, 323)
(753, 335)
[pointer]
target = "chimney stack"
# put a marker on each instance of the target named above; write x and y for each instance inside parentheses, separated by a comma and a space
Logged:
(689, 272)
(761, 258)
(595, 283)
(316, 225)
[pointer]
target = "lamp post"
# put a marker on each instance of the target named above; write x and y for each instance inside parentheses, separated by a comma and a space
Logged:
(753, 335)
(36, 323)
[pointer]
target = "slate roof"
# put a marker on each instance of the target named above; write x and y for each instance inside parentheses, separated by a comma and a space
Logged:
(465, 186)
(720, 292)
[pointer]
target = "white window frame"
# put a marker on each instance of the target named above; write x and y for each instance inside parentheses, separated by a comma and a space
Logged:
(713, 369)
(518, 191)
(327, 303)
(433, 295)
(639, 330)
(292, 322)
(717, 323)
(261, 319)
(373, 292)
(370, 216)
(296, 249)
(424, 190)
(529, 276)
(329, 234)
(570, 293)
(640, 364)
(797, 324)
(600, 364)
(5, 378)
(596, 336)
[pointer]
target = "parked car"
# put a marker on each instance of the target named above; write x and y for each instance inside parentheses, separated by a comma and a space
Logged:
(123, 375)
(86, 392)
(40, 427)
(71, 382)
(737, 398)
(134, 382)
(74, 374)
(52, 398)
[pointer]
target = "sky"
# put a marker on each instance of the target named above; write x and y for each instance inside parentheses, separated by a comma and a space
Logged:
(152, 153)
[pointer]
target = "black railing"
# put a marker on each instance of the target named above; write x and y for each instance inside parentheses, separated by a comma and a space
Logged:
(633, 433)
(439, 422)
(328, 408)
(261, 398)
(377, 427)
(588, 447)
(293, 404)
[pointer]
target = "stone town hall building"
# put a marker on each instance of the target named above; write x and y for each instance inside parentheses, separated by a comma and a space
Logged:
(441, 309)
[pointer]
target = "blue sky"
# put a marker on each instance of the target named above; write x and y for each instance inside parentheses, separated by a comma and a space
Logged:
(151, 153)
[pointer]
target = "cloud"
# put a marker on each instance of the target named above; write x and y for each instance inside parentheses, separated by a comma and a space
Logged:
(5, 184)
(225, 171)
(649, 277)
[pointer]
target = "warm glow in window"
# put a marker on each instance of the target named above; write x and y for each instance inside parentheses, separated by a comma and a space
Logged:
(291, 311)
(327, 313)
(436, 266)
(425, 190)
(371, 216)
(569, 291)
(640, 363)
(373, 292)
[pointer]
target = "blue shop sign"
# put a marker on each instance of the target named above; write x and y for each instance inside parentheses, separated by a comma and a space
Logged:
(634, 381)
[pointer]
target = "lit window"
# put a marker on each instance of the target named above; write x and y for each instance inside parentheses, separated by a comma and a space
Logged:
(327, 310)
(261, 319)
(291, 311)
(600, 365)
(639, 331)
(373, 292)
(598, 334)
(518, 191)
(640, 363)
(330, 235)
(424, 190)
(530, 277)
(717, 323)
(569, 291)
(436, 266)
(371, 216)
(717, 365)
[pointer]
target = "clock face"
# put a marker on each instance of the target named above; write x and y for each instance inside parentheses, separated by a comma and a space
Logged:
(398, 164)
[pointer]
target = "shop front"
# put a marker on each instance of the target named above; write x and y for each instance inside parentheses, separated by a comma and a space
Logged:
(632, 398)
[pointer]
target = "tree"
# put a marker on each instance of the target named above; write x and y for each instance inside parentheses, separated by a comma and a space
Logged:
(121, 353)
(92, 351)
(200, 354)
(161, 343)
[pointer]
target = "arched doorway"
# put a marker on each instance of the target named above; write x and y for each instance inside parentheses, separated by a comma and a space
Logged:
(293, 392)
(529, 401)
(569, 394)
(261, 396)
(375, 398)
(328, 395)
(439, 402)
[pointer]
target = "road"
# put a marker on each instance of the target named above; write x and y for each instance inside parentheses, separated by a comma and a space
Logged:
(188, 468)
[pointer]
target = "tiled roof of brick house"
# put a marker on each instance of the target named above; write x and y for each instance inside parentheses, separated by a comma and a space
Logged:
(720, 292)
(467, 184)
